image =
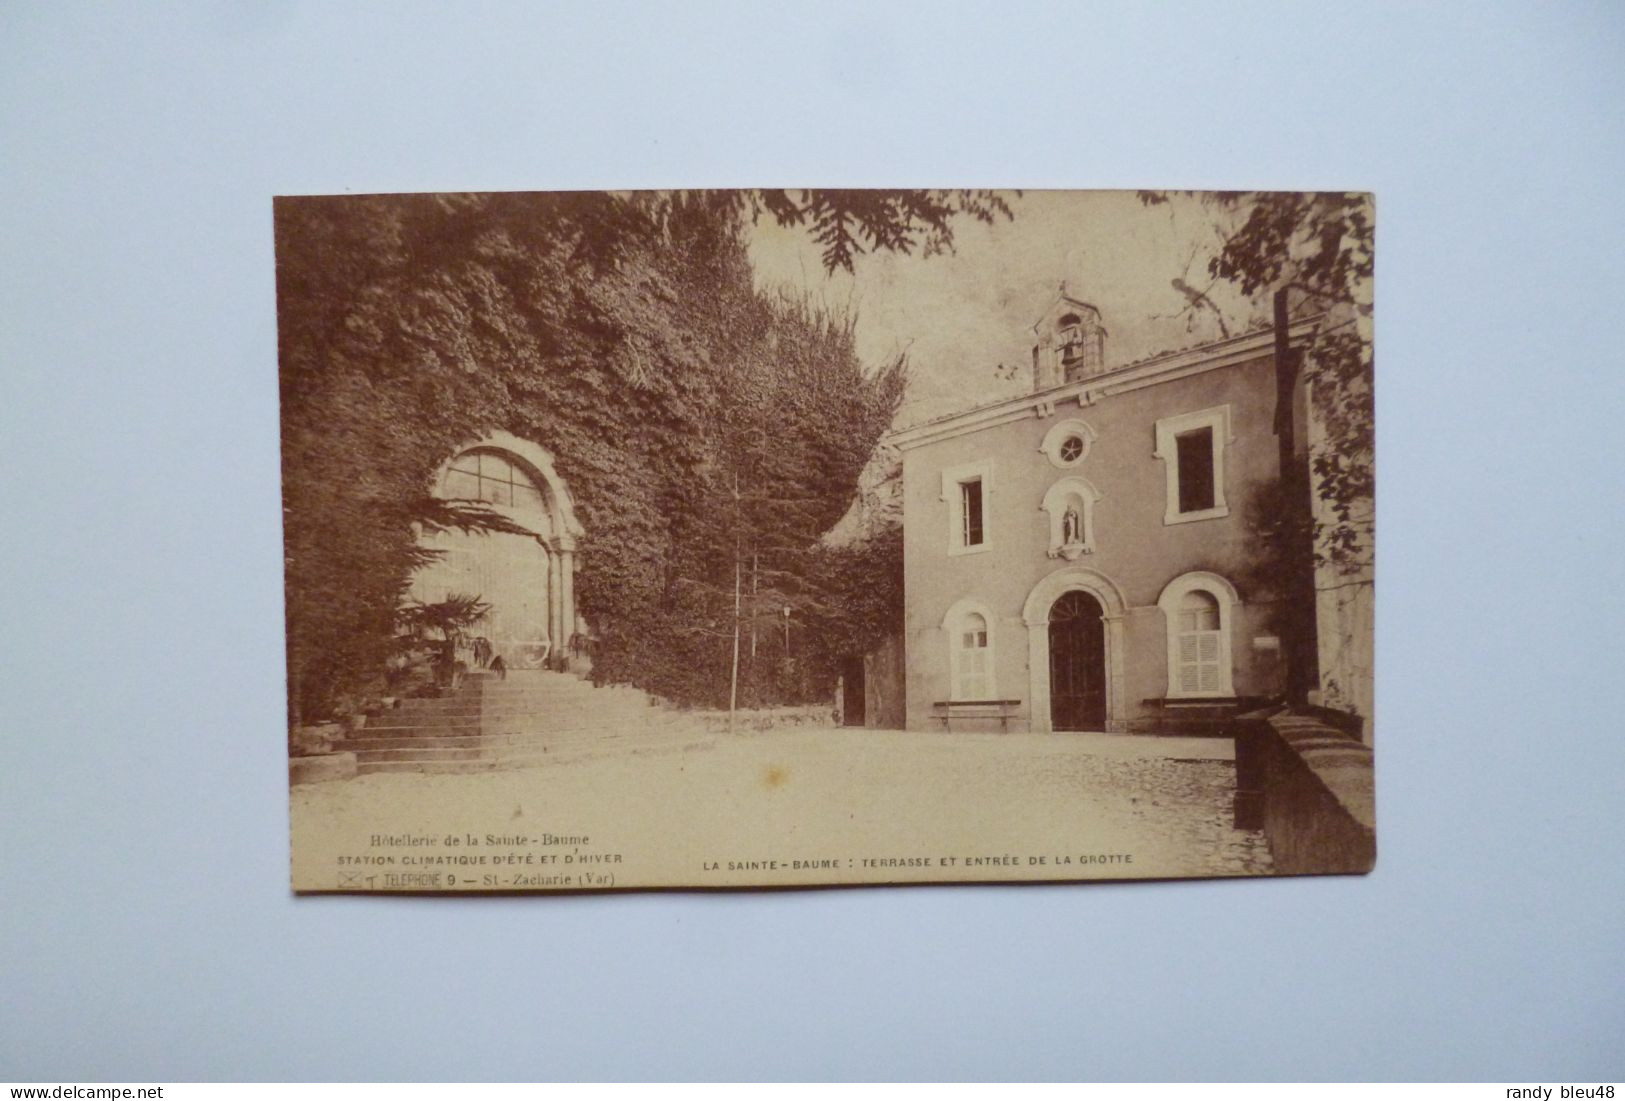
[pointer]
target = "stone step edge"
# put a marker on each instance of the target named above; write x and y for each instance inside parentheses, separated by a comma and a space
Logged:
(517, 740)
(467, 756)
(390, 716)
(511, 726)
(471, 746)
(517, 722)
(489, 764)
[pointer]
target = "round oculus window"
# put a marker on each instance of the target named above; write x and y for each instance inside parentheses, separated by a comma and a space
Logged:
(1067, 443)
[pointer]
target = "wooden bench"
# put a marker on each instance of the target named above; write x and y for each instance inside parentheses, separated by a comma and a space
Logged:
(948, 710)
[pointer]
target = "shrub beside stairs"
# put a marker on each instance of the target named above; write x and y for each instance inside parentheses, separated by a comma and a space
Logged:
(530, 718)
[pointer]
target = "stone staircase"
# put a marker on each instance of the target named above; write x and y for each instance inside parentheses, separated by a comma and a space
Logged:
(530, 718)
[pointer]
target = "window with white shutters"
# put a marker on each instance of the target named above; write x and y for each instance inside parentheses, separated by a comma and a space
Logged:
(1199, 650)
(971, 673)
(1199, 609)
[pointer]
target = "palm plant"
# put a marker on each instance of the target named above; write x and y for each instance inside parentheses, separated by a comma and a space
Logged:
(450, 617)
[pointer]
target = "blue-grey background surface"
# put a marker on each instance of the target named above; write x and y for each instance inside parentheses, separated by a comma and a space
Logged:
(147, 932)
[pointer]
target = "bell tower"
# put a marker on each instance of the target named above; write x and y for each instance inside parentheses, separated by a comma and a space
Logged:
(1071, 344)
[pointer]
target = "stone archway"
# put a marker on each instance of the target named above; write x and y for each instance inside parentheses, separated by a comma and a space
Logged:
(1035, 613)
(529, 580)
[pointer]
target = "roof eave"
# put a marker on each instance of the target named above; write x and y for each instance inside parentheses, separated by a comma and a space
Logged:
(1132, 376)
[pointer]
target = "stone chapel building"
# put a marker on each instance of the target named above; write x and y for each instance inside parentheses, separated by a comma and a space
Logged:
(1073, 557)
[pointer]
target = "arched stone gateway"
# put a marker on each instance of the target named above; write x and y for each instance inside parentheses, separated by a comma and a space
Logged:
(529, 580)
(1040, 612)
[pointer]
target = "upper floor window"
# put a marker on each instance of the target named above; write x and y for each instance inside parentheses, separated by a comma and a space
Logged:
(967, 490)
(1195, 469)
(1193, 447)
(970, 509)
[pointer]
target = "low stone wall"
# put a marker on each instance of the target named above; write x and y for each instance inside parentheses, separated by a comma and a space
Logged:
(317, 753)
(1308, 786)
(325, 766)
(767, 718)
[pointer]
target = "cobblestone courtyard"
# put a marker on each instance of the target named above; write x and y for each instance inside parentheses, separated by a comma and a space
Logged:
(862, 805)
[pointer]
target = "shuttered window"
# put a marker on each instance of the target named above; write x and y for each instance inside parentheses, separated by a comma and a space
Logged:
(1198, 649)
(971, 674)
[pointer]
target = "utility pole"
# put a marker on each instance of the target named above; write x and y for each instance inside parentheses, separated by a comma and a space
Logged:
(733, 680)
(1297, 518)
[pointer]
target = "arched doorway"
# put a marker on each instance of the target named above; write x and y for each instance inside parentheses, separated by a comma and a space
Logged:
(1035, 614)
(1077, 663)
(527, 579)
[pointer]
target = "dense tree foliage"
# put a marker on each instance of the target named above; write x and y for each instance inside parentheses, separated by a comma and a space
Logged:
(848, 223)
(1318, 248)
(708, 432)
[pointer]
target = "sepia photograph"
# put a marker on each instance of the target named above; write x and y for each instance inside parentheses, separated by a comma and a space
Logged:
(761, 538)
(721, 542)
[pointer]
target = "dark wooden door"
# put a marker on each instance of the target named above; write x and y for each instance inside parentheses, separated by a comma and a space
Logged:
(1077, 663)
(853, 692)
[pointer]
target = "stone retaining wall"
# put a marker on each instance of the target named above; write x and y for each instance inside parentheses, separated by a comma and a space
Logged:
(1308, 786)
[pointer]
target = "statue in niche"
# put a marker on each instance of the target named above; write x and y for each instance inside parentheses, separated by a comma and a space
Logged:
(1071, 527)
(1071, 544)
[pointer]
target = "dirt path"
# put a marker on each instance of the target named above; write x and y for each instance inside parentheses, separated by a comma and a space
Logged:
(791, 807)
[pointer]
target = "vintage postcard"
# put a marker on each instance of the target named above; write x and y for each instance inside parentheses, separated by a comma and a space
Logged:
(791, 537)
